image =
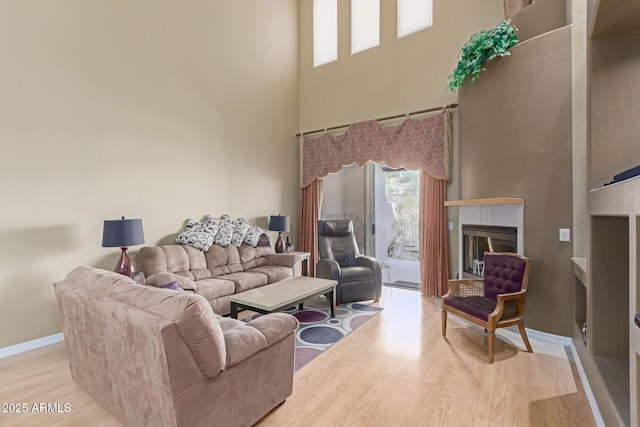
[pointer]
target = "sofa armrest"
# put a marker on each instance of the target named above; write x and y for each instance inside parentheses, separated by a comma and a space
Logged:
(275, 326)
(243, 340)
(328, 269)
(373, 264)
(370, 262)
(165, 278)
(284, 260)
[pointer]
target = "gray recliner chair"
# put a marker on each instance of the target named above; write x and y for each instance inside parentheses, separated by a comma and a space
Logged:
(359, 277)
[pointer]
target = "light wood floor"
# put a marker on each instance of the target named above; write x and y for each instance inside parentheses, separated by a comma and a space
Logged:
(395, 370)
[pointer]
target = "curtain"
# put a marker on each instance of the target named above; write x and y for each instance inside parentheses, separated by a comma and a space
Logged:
(310, 202)
(415, 144)
(434, 240)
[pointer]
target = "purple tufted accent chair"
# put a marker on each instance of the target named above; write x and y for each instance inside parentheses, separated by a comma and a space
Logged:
(496, 300)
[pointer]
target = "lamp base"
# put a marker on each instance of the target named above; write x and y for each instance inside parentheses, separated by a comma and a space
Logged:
(279, 246)
(124, 265)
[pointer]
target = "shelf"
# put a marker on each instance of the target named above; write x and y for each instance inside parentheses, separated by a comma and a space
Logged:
(619, 199)
(615, 374)
(489, 201)
(580, 269)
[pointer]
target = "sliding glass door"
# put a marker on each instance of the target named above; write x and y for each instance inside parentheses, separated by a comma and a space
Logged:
(383, 204)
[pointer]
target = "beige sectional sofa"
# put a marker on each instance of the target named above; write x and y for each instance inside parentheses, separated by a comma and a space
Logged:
(156, 357)
(219, 272)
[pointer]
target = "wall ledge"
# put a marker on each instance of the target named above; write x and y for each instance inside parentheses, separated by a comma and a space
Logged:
(489, 201)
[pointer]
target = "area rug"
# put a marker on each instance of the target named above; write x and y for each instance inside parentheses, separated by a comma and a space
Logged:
(318, 331)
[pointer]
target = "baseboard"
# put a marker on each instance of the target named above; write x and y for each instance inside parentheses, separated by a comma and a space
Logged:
(587, 388)
(30, 345)
(547, 337)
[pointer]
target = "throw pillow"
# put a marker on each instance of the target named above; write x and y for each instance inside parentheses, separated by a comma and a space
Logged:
(197, 234)
(240, 228)
(225, 233)
(208, 219)
(173, 286)
(162, 278)
(253, 236)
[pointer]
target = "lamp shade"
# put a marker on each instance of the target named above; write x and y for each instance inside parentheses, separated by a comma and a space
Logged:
(279, 223)
(122, 233)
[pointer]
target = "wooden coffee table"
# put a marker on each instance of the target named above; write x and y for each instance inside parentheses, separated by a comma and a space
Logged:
(283, 294)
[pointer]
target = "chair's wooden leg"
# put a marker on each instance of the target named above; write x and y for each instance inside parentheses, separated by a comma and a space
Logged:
(444, 323)
(490, 341)
(523, 333)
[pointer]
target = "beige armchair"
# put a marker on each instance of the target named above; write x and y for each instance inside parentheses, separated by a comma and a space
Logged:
(157, 357)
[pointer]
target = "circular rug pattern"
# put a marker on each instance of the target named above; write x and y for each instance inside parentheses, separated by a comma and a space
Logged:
(320, 334)
(318, 330)
(310, 316)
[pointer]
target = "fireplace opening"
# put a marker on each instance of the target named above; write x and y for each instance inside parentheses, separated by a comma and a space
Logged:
(478, 239)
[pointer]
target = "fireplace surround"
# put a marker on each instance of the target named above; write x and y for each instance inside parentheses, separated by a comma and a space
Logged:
(480, 217)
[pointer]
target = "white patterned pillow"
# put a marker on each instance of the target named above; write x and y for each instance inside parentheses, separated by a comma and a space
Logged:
(240, 228)
(225, 233)
(208, 219)
(196, 234)
(253, 235)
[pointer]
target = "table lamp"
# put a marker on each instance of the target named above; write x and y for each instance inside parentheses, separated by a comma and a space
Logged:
(279, 223)
(123, 233)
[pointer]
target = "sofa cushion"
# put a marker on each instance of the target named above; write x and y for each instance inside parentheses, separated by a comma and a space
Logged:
(248, 253)
(275, 273)
(184, 260)
(242, 341)
(246, 280)
(216, 257)
(215, 288)
(246, 339)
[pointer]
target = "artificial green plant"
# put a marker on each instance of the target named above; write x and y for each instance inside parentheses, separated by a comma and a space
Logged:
(481, 48)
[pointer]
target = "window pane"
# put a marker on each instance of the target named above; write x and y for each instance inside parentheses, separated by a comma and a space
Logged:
(402, 191)
(325, 31)
(413, 16)
(365, 25)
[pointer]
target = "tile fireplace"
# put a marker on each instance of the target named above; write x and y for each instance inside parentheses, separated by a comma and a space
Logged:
(485, 225)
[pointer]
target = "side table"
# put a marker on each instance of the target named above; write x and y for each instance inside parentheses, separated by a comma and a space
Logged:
(305, 261)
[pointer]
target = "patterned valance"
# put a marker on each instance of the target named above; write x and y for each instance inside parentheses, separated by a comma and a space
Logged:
(416, 144)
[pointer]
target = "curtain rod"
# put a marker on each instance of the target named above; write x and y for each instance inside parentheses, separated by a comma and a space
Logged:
(397, 116)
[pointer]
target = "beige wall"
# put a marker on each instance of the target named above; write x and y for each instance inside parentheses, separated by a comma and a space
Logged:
(399, 76)
(396, 77)
(516, 141)
(615, 102)
(157, 110)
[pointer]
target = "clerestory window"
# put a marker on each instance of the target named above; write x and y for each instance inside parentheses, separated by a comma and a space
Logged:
(414, 16)
(325, 31)
(365, 25)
